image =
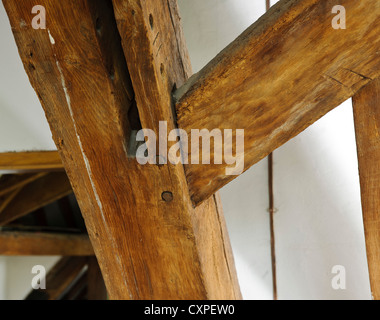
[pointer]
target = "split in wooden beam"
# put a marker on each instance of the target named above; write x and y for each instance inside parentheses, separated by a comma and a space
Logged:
(44, 244)
(281, 75)
(149, 246)
(13, 162)
(37, 194)
(367, 123)
(60, 279)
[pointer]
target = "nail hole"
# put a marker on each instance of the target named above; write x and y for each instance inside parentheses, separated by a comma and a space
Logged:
(151, 21)
(167, 196)
(162, 68)
(133, 12)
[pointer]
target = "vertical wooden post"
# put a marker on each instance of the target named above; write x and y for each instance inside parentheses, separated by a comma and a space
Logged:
(148, 246)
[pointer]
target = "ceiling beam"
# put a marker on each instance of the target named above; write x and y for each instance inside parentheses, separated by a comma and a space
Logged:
(149, 241)
(16, 162)
(367, 123)
(281, 75)
(14, 243)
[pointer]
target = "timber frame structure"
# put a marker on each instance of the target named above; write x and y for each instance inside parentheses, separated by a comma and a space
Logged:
(103, 69)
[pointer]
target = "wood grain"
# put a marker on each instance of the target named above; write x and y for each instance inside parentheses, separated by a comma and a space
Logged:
(12, 162)
(37, 194)
(367, 127)
(158, 61)
(147, 248)
(44, 244)
(281, 75)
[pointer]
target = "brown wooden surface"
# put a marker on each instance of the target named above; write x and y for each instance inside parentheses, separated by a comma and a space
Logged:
(60, 278)
(147, 248)
(37, 194)
(367, 127)
(44, 244)
(30, 161)
(158, 61)
(282, 74)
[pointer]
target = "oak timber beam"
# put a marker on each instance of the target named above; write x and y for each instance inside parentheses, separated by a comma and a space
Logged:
(147, 248)
(367, 123)
(44, 244)
(281, 75)
(202, 265)
(13, 162)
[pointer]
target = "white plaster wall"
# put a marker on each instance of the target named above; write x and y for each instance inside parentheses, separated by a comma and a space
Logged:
(3, 278)
(22, 122)
(318, 223)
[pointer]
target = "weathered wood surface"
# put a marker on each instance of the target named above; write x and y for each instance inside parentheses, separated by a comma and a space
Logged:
(147, 248)
(60, 278)
(37, 194)
(158, 61)
(44, 244)
(30, 161)
(281, 75)
(367, 126)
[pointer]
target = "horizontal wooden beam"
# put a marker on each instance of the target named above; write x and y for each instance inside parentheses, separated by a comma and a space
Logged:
(44, 244)
(281, 75)
(37, 194)
(13, 162)
(367, 125)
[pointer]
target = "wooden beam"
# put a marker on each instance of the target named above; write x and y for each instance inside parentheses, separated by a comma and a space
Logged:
(367, 125)
(310, 66)
(60, 279)
(44, 244)
(13, 162)
(39, 193)
(158, 61)
(148, 246)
